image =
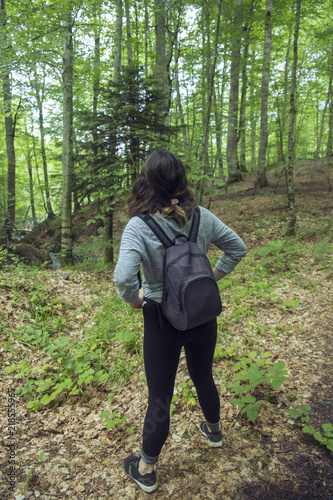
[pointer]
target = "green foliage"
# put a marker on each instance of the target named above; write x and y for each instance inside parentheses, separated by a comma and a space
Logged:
(302, 413)
(112, 419)
(253, 373)
(90, 254)
(69, 365)
(325, 437)
(188, 393)
(280, 255)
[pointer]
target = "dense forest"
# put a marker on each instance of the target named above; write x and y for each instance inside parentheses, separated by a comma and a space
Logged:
(89, 88)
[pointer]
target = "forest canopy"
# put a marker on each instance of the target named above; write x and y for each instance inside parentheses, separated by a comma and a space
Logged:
(90, 88)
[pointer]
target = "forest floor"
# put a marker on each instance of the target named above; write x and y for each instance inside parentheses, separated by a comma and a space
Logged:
(65, 451)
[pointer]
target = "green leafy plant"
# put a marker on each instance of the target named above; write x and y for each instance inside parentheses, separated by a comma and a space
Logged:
(112, 419)
(253, 372)
(325, 438)
(302, 413)
(188, 392)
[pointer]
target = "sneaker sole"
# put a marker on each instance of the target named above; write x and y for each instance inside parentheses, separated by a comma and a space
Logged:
(147, 489)
(212, 444)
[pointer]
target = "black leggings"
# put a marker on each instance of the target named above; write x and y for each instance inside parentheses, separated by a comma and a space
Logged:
(162, 346)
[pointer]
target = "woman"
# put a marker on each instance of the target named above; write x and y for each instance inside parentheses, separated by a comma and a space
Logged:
(162, 191)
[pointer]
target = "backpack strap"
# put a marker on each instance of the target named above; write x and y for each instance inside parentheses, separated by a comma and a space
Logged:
(195, 225)
(157, 230)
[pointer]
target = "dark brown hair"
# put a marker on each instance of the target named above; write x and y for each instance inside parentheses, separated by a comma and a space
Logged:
(162, 179)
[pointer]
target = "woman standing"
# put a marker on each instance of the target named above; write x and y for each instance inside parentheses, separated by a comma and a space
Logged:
(162, 191)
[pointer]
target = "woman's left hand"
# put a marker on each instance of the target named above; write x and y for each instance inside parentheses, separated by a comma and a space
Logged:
(139, 300)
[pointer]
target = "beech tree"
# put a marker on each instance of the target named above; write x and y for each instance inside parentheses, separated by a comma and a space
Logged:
(234, 173)
(261, 175)
(67, 141)
(291, 146)
(9, 122)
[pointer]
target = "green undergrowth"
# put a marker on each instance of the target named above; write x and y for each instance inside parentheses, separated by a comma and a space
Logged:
(64, 355)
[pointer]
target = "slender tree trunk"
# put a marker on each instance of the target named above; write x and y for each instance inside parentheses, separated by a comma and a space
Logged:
(218, 131)
(282, 118)
(322, 121)
(179, 104)
(128, 33)
(234, 173)
(117, 42)
(39, 100)
(9, 124)
(161, 70)
(253, 122)
(330, 124)
(204, 149)
(146, 38)
(108, 202)
(96, 82)
(261, 175)
(31, 186)
(67, 144)
(291, 145)
(242, 112)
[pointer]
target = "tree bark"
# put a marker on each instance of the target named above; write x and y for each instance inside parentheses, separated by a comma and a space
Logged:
(146, 37)
(322, 121)
(261, 175)
(242, 112)
(117, 42)
(204, 157)
(161, 70)
(291, 146)
(330, 123)
(253, 122)
(283, 118)
(128, 33)
(67, 143)
(234, 173)
(9, 124)
(39, 100)
(31, 185)
(108, 206)
(179, 104)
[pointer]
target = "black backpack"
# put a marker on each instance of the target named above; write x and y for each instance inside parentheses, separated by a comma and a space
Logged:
(191, 296)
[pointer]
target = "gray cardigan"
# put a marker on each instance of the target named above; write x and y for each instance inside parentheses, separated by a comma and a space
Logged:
(139, 245)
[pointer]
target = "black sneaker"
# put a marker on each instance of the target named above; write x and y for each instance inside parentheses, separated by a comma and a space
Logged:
(147, 481)
(214, 438)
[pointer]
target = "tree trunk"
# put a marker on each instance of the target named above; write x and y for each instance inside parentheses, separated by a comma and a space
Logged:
(117, 42)
(39, 100)
(146, 38)
(108, 231)
(128, 33)
(161, 70)
(330, 124)
(204, 157)
(234, 173)
(253, 123)
(261, 175)
(31, 186)
(283, 118)
(179, 105)
(67, 144)
(242, 112)
(322, 122)
(9, 124)
(108, 214)
(291, 146)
